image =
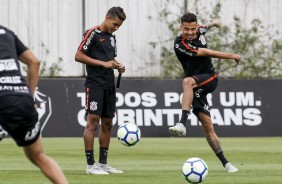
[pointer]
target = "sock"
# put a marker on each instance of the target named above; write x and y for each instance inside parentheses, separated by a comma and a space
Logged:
(184, 117)
(103, 155)
(90, 157)
(222, 158)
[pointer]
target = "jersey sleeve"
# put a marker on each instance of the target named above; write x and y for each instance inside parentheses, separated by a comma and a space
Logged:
(181, 46)
(87, 41)
(20, 47)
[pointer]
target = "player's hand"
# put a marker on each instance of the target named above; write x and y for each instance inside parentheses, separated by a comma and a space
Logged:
(237, 58)
(121, 68)
(217, 23)
(111, 64)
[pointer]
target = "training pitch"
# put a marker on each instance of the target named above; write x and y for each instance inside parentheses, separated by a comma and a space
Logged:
(151, 161)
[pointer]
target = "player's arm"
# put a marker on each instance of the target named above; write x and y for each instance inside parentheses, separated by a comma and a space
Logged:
(185, 48)
(83, 58)
(84, 47)
(27, 57)
(213, 23)
(33, 64)
(218, 54)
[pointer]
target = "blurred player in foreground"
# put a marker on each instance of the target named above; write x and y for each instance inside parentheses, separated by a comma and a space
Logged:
(18, 115)
(200, 79)
(98, 51)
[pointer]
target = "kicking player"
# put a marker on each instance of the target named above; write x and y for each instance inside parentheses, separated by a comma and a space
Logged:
(18, 115)
(200, 79)
(98, 51)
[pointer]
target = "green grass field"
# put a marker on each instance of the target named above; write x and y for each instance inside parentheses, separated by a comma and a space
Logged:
(151, 161)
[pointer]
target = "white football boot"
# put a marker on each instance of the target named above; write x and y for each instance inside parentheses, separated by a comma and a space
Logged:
(109, 169)
(230, 168)
(94, 169)
(178, 129)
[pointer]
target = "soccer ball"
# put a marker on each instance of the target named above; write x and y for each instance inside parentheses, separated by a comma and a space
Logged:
(195, 170)
(128, 134)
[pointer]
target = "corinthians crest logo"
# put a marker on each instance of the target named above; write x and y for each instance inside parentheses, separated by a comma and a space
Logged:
(43, 107)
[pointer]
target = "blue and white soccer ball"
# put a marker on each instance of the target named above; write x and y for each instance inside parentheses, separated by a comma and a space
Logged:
(195, 170)
(128, 134)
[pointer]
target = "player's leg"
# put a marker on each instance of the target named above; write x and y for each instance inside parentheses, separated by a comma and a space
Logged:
(48, 166)
(193, 88)
(93, 97)
(105, 132)
(188, 85)
(106, 129)
(89, 135)
(19, 117)
(104, 140)
(214, 142)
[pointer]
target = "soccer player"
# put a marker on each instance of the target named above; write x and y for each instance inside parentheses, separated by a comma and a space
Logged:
(98, 51)
(200, 79)
(18, 115)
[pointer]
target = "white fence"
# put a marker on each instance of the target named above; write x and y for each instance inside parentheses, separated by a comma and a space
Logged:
(53, 28)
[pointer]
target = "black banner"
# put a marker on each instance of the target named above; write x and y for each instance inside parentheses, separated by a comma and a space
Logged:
(239, 108)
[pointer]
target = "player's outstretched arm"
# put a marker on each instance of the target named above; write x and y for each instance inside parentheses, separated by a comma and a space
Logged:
(218, 54)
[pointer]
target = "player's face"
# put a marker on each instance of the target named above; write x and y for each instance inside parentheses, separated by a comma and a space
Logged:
(113, 24)
(189, 30)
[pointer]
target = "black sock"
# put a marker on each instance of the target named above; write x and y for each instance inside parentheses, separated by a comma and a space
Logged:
(90, 157)
(222, 158)
(184, 117)
(103, 155)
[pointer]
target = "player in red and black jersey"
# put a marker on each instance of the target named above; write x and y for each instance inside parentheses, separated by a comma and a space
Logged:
(98, 51)
(200, 79)
(18, 115)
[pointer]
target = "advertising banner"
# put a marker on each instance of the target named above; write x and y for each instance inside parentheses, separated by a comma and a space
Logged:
(239, 108)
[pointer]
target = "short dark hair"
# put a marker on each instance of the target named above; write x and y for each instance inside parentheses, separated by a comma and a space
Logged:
(116, 12)
(188, 17)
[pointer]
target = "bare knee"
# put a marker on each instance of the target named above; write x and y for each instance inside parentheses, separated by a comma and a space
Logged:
(92, 122)
(34, 152)
(35, 159)
(107, 124)
(188, 82)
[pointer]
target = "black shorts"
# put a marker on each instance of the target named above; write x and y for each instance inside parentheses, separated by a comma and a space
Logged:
(207, 83)
(101, 102)
(19, 118)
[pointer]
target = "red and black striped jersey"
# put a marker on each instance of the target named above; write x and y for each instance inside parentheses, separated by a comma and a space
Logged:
(101, 46)
(186, 52)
